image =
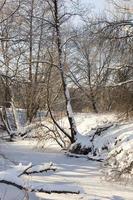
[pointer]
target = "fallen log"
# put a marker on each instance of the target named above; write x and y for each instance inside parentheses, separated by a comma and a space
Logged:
(69, 189)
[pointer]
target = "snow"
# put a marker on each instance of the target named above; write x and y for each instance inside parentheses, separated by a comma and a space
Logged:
(72, 173)
(69, 107)
(118, 133)
(87, 121)
(120, 159)
(41, 167)
(84, 122)
(14, 176)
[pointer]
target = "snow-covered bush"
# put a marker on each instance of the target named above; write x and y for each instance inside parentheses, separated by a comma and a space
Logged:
(119, 164)
(97, 142)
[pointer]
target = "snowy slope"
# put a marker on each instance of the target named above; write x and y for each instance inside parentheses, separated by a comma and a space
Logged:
(108, 139)
(86, 121)
(120, 160)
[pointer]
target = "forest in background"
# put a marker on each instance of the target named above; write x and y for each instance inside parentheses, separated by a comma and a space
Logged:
(42, 54)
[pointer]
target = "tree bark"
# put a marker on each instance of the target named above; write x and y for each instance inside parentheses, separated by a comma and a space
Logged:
(63, 78)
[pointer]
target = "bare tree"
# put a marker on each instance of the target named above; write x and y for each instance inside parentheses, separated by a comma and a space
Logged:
(91, 61)
(58, 20)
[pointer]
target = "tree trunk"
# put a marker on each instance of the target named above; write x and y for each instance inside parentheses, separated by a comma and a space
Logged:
(93, 101)
(63, 78)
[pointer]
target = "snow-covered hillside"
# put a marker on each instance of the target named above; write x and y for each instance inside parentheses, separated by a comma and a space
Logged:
(87, 121)
(105, 138)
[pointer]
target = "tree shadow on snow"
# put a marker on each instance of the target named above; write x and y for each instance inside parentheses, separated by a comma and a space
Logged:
(114, 197)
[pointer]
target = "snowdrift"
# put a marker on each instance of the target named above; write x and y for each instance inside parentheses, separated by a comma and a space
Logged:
(111, 143)
(119, 163)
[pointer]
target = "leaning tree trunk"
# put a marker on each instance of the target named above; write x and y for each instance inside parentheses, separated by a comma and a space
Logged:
(62, 73)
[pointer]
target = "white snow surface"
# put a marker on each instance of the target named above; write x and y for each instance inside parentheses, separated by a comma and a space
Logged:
(120, 159)
(15, 174)
(87, 121)
(73, 172)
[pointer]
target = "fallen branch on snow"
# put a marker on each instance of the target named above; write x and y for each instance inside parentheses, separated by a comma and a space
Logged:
(33, 169)
(83, 156)
(13, 177)
(99, 130)
(45, 188)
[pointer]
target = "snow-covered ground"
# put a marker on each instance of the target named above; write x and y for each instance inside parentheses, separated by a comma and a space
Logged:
(86, 121)
(71, 172)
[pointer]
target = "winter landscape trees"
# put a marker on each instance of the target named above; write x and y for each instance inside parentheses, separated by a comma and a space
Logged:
(58, 59)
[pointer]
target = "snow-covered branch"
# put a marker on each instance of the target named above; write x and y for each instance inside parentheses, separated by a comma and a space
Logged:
(33, 169)
(121, 83)
(16, 177)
